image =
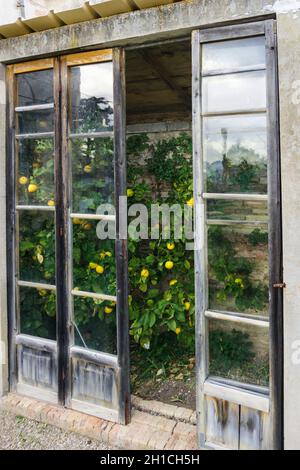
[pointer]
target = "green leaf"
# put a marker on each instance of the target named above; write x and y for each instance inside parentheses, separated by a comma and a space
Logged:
(172, 325)
(152, 319)
(26, 245)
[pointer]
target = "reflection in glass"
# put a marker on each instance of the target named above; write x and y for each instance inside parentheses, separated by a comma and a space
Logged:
(31, 122)
(93, 173)
(95, 324)
(35, 179)
(92, 98)
(235, 154)
(35, 88)
(234, 92)
(239, 352)
(36, 247)
(38, 312)
(238, 270)
(237, 53)
(94, 267)
(247, 211)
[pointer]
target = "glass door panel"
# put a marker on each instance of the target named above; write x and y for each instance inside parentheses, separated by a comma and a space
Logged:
(235, 188)
(93, 284)
(34, 240)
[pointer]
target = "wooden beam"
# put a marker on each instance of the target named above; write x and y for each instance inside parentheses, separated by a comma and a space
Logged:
(165, 76)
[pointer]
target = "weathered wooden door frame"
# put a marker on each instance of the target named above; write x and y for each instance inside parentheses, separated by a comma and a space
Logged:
(63, 346)
(21, 344)
(120, 363)
(253, 397)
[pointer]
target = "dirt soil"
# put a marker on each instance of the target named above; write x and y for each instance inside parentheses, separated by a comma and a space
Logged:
(167, 390)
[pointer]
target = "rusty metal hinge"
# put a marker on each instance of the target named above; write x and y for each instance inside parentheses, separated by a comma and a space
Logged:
(280, 285)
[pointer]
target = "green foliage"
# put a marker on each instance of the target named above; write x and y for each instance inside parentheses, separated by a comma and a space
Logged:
(258, 237)
(163, 300)
(229, 349)
(93, 178)
(233, 274)
(171, 160)
(240, 169)
(232, 356)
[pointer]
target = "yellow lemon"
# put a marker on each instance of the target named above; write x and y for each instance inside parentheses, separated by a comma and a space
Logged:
(102, 255)
(108, 310)
(170, 246)
(23, 180)
(178, 331)
(42, 292)
(239, 282)
(169, 264)
(108, 253)
(145, 273)
(51, 203)
(190, 202)
(173, 282)
(87, 169)
(76, 221)
(93, 265)
(187, 306)
(32, 188)
(100, 269)
(130, 192)
(87, 226)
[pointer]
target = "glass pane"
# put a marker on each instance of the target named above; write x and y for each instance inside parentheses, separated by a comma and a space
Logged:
(93, 173)
(38, 312)
(37, 247)
(247, 211)
(239, 352)
(35, 88)
(35, 178)
(235, 154)
(92, 98)
(31, 122)
(234, 92)
(95, 324)
(239, 53)
(94, 268)
(238, 271)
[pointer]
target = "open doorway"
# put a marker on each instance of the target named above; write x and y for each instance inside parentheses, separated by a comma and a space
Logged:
(161, 270)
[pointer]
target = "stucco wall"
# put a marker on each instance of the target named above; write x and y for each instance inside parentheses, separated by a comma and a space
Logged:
(289, 75)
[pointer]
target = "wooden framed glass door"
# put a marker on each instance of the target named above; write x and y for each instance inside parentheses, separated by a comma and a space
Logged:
(93, 175)
(32, 274)
(67, 285)
(238, 237)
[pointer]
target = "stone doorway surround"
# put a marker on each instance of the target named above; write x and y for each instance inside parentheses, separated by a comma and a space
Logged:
(154, 425)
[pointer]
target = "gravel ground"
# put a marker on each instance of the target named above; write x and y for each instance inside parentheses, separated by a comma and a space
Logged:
(17, 432)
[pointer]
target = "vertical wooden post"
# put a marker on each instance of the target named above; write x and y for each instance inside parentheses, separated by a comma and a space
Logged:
(61, 202)
(10, 223)
(275, 240)
(121, 243)
(200, 240)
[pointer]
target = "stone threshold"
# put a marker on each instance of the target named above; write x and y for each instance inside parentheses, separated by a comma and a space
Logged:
(158, 408)
(151, 427)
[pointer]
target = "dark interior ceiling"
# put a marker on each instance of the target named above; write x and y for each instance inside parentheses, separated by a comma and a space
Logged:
(158, 81)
